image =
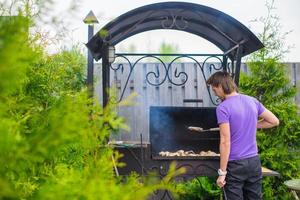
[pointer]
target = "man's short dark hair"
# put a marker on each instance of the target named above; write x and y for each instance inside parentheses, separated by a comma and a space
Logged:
(224, 80)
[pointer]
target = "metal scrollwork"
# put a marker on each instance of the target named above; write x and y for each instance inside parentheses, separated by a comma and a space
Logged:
(156, 74)
(119, 66)
(163, 71)
(183, 75)
(185, 22)
(173, 20)
(165, 25)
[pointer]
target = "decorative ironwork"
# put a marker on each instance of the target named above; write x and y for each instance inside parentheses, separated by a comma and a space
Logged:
(170, 21)
(175, 21)
(165, 73)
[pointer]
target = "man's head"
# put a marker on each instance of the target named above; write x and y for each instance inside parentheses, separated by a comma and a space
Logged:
(222, 84)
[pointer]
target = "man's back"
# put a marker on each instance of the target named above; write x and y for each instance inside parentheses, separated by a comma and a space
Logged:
(241, 112)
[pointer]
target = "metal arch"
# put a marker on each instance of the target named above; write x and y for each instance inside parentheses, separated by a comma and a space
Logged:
(216, 28)
(155, 16)
(133, 26)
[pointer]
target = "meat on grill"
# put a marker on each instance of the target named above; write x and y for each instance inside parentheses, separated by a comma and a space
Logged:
(187, 153)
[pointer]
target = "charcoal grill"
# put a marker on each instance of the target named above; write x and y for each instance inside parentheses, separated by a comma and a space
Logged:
(168, 132)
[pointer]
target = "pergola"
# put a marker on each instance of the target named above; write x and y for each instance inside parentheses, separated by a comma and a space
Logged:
(229, 35)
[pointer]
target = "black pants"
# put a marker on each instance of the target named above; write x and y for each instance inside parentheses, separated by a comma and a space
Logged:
(244, 179)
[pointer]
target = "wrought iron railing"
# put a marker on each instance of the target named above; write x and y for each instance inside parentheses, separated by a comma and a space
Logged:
(180, 77)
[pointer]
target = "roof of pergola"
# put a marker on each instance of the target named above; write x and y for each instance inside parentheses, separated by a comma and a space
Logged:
(213, 25)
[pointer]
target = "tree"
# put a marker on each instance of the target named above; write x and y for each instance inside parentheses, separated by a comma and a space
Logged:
(268, 81)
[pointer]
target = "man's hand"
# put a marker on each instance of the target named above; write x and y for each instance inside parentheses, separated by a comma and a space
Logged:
(221, 181)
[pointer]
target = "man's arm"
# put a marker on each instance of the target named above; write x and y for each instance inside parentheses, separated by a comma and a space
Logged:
(224, 150)
(268, 120)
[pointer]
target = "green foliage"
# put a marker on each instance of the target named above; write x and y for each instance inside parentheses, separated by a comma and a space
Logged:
(53, 137)
(13, 31)
(166, 48)
(15, 57)
(268, 82)
(56, 75)
(201, 188)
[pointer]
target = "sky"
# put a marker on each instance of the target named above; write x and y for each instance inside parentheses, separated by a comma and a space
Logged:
(244, 11)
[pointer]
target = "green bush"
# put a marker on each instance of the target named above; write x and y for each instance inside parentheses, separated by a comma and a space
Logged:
(53, 137)
(279, 147)
(200, 188)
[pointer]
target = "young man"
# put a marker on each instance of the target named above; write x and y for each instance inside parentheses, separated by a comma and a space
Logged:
(240, 169)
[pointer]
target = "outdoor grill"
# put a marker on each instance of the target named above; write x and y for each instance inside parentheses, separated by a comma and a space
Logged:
(169, 133)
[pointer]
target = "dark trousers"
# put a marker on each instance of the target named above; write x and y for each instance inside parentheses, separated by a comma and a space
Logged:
(244, 179)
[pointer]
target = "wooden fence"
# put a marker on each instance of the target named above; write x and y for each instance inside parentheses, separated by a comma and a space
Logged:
(166, 94)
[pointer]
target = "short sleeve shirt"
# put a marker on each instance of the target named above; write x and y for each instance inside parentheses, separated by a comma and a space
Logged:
(241, 112)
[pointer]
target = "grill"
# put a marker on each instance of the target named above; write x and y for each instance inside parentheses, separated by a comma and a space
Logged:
(169, 132)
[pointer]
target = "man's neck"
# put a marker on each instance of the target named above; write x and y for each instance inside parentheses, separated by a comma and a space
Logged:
(231, 94)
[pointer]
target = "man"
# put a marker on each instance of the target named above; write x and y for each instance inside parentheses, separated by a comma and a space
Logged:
(240, 169)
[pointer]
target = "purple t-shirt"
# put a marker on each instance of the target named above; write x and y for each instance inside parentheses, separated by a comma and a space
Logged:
(241, 112)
